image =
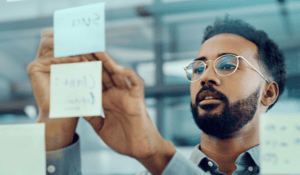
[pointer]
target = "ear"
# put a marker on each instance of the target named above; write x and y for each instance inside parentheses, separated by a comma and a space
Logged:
(270, 94)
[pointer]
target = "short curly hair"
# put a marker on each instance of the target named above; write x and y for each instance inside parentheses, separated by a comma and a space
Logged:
(268, 54)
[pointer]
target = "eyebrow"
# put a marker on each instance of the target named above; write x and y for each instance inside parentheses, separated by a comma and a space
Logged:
(204, 58)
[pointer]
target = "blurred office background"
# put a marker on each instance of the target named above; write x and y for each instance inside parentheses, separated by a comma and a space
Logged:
(155, 37)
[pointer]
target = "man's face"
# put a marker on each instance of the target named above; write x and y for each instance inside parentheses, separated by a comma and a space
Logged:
(236, 97)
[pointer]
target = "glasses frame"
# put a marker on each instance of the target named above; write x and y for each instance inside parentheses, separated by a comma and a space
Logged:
(185, 68)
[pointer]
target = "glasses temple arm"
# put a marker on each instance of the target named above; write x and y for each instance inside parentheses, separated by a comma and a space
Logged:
(255, 69)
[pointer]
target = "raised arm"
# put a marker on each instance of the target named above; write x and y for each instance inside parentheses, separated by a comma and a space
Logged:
(59, 132)
(127, 128)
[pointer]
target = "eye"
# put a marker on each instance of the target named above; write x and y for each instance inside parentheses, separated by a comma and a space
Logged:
(199, 70)
(226, 66)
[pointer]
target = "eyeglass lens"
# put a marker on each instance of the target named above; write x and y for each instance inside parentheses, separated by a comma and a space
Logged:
(225, 65)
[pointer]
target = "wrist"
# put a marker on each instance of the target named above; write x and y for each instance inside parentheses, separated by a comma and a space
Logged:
(159, 161)
(59, 133)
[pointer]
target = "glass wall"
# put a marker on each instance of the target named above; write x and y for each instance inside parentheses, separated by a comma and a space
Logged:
(155, 38)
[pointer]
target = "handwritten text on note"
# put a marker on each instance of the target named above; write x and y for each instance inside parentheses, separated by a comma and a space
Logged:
(76, 89)
(79, 30)
(280, 144)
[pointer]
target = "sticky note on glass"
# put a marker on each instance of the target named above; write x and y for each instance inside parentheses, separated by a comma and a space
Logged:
(22, 149)
(280, 144)
(79, 30)
(76, 89)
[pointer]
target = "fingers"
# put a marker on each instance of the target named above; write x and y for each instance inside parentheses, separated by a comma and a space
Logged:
(127, 83)
(119, 81)
(132, 76)
(129, 79)
(113, 80)
(106, 79)
(109, 78)
(46, 44)
(47, 54)
(116, 75)
(134, 82)
(47, 33)
(110, 75)
(64, 60)
(116, 80)
(88, 57)
(110, 67)
(108, 63)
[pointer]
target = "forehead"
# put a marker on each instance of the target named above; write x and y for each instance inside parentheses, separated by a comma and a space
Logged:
(227, 43)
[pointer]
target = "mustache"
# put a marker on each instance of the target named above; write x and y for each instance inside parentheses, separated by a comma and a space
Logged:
(210, 88)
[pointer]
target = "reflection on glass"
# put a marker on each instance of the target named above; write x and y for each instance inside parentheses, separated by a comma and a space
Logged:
(147, 72)
(179, 124)
(174, 73)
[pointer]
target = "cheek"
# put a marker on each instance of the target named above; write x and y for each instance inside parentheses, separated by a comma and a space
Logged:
(233, 88)
(250, 83)
(241, 88)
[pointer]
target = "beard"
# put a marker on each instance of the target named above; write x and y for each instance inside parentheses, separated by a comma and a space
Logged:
(232, 118)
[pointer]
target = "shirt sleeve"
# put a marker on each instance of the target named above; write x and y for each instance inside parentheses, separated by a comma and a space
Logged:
(66, 161)
(179, 165)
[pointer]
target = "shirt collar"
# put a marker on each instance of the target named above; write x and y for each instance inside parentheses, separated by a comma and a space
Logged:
(197, 155)
(255, 154)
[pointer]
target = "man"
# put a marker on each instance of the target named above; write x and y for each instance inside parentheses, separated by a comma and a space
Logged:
(238, 74)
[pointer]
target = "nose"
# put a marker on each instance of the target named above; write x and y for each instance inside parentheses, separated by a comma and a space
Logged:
(210, 76)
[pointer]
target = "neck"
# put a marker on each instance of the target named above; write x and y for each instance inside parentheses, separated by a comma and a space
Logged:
(226, 152)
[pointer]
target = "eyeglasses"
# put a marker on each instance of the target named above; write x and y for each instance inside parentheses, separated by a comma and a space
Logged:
(224, 65)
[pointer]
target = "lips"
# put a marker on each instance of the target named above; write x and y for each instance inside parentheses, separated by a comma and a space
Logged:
(208, 95)
(209, 100)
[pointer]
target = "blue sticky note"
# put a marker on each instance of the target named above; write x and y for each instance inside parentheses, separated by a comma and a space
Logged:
(280, 143)
(79, 30)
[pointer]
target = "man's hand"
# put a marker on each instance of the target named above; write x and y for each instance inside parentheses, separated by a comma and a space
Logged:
(127, 128)
(59, 132)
